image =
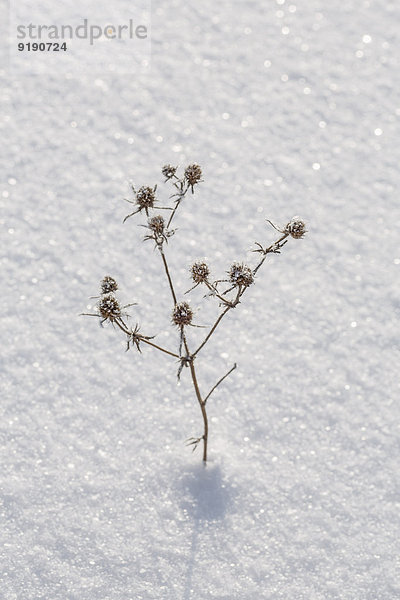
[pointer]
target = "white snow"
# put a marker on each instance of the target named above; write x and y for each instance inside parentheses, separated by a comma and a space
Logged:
(290, 108)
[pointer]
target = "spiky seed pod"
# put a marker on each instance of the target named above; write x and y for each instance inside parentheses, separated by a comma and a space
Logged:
(200, 272)
(108, 285)
(182, 314)
(296, 228)
(109, 307)
(240, 274)
(168, 171)
(193, 174)
(157, 224)
(145, 198)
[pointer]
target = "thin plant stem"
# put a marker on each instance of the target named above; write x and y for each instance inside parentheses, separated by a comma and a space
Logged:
(190, 358)
(217, 322)
(173, 212)
(182, 193)
(202, 407)
(123, 328)
(202, 402)
(171, 287)
(160, 348)
(213, 328)
(215, 293)
(269, 250)
(218, 382)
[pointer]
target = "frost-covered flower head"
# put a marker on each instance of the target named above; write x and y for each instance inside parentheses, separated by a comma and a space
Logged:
(109, 307)
(157, 225)
(296, 228)
(168, 171)
(159, 231)
(108, 285)
(241, 274)
(145, 198)
(193, 174)
(182, 314)
(200, 272)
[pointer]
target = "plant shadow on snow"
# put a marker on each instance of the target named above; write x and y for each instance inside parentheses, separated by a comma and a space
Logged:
(206, 498)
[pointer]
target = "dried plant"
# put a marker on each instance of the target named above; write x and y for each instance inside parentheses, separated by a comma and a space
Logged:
(239, 278)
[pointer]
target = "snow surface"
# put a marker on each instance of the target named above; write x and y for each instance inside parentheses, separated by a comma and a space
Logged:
(290, 108)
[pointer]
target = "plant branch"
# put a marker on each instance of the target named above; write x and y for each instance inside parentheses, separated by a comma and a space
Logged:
(174, 211)
(240, 292)
(218, 382)
(171, 287)
(215, 293)
(142, 338)
(271, 249)
(234, 303)
(213, 328)
(159, 348)
(181, 193)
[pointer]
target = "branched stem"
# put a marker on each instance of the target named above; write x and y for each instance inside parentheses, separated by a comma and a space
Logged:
(240, 277)
(239, 294)
(181, 193)
(190, 361)
(269, 250)
(213, 289)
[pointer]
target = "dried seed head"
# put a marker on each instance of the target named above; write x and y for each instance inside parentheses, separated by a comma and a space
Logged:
(108, 285)
(240, 274)
(145, 197)
(109, 307)
(157, 224)
(193, 174)
(182, 314)
(168, 171)
(296, 228)
(200, 272)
